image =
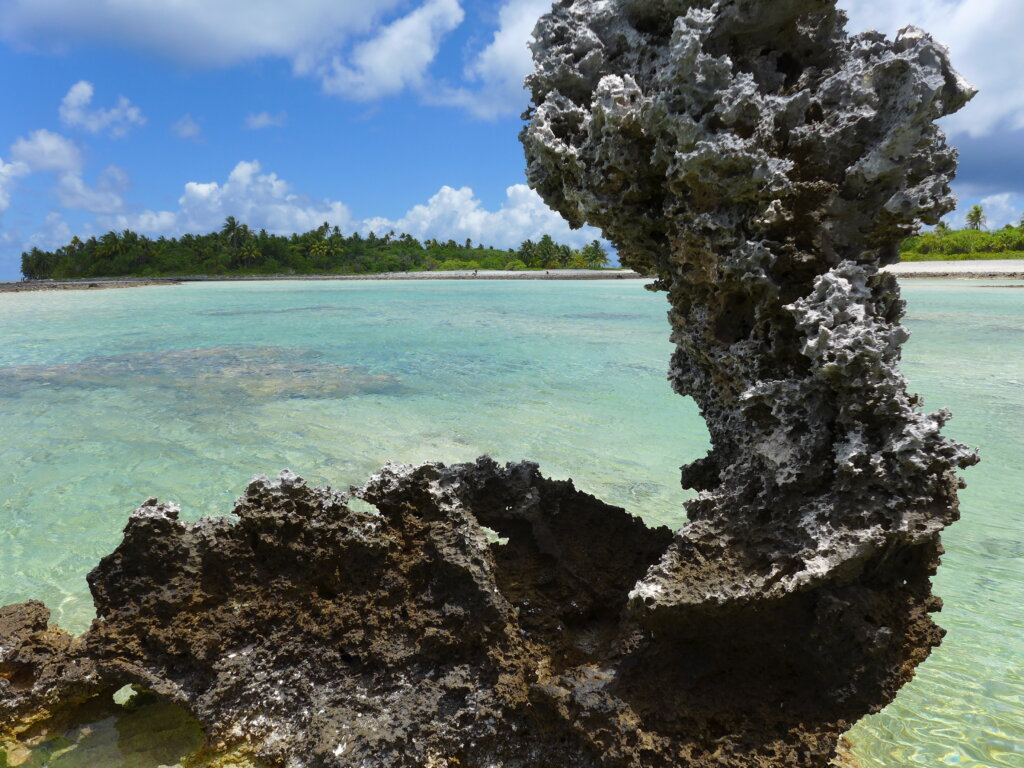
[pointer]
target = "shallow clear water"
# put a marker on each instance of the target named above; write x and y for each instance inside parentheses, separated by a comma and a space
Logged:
(183, 392)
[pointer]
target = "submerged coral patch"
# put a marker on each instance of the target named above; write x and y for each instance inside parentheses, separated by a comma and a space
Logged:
(605, 316)
(280, 311)
(258, 372)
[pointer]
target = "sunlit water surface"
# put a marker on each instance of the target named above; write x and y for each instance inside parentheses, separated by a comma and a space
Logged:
(184, 392)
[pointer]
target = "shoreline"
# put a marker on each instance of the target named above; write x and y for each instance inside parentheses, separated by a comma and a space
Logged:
(138, 282)
(994, 269)
(457, 274)
(981, 269)
(26, 286)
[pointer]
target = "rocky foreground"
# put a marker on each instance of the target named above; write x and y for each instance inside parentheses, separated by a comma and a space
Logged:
(763, 166)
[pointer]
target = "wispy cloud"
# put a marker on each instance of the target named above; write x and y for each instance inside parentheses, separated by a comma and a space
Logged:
(45, 150)
(187, 128)
(203, 32)
(54, 233)
(493, 78)
(75, 112)
(1000, 210)
(259, 120)
(397, 57)
(9, 174)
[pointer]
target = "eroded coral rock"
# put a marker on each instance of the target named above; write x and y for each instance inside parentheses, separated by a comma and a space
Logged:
(322, 635)
(762, 165)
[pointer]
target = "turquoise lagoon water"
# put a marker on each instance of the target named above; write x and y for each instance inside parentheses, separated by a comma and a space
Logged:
(183, 392)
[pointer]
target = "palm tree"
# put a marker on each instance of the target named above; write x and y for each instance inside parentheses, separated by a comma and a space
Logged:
(250, 254)
(109, 245)
(595, 255)
(976, 217)
(230, 231)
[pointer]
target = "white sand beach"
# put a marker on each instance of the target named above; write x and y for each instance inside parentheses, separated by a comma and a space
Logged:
(991, 268)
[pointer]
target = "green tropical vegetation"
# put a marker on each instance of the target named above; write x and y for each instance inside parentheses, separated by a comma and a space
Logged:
(237, 250)
(974, 242)
(976, 217)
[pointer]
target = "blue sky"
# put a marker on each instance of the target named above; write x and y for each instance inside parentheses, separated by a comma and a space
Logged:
(165, 116)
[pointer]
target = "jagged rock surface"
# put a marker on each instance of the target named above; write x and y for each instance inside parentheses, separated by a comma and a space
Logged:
(761, 165)
(324, 636)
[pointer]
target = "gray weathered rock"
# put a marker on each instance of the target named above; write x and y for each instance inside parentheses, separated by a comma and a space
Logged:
(763, 165)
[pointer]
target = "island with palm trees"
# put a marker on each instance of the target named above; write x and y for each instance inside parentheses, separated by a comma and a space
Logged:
(237, 250)
(974, 242)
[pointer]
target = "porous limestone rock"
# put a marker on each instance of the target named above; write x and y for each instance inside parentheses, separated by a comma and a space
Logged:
(762, 166)
(315, 634)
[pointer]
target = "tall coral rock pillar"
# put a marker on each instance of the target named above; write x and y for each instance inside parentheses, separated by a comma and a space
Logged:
(763, 165)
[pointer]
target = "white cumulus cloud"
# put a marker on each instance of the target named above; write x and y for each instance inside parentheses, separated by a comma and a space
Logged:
(494, 77)
(45, 150)
(1000, 210)
(9, 174)
(397, 57)
(105, 197)
(984, 38)
(54, 233)
(208, 32)
(261, 200)
(75, 111)
(265, 201)
(458, 214)
(255, 121)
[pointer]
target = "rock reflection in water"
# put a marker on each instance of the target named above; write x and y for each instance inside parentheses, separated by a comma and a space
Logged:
(143, 731)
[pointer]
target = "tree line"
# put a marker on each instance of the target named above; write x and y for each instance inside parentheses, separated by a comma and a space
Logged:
(973, 242)
(235, 249)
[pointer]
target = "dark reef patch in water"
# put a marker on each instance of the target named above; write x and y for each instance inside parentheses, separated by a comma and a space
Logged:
(605, 316)
(282, 311)
(255, 372)
(637, 491)
(1002, 548)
